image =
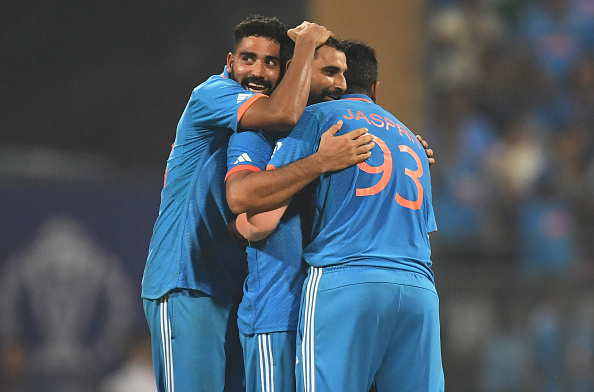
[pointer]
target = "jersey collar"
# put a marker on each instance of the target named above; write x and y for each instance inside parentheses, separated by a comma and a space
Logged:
(357, 97)
(225, 74)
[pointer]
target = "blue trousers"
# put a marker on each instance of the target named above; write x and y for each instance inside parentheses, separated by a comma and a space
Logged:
(269, 361)
(195, 343)
(364, 326)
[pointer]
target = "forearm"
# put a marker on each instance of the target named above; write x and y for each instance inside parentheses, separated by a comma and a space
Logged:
(282, 109)
(267, 190)
(270, 189)
(256, 227)
(291, 95)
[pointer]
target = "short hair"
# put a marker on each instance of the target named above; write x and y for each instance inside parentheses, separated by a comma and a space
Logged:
(268, 27)
(260, 26)
(333, 43)
(361, 66)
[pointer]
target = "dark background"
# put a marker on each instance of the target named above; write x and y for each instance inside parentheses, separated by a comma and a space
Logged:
(112, 77)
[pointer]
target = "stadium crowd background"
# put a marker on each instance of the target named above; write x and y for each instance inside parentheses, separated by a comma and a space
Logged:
(90, 96)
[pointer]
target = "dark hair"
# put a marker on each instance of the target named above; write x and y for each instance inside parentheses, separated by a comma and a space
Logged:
(334, 43)
(269, 27)
(286, 51)
(361, 66)
(331, 42)
(260, 26)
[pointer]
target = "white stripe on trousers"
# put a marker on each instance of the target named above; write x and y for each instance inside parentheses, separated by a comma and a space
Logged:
(266, 362)
(307, 344)
(166, 342)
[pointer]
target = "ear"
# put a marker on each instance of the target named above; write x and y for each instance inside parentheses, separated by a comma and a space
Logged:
(374, 88)
(229, 62)
(288, 63)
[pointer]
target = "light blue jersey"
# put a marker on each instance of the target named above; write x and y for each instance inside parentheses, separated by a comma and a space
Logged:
(268, 313)
(190, 247)
(276, 272)
(377, 213)
(369, 309)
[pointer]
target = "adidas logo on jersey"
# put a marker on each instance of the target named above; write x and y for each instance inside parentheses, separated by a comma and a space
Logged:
(276, 147)
(242, 158)
(243, 96)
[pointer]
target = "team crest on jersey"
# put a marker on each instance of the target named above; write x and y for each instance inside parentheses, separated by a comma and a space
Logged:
(242, 158)
(243, 96)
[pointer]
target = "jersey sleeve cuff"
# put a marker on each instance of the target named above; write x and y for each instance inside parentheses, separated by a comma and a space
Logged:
(241, 168)
(244, 106)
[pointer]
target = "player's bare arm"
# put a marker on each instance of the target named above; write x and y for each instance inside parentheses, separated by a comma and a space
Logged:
(282, 109)
(267, 190)
(256, 227)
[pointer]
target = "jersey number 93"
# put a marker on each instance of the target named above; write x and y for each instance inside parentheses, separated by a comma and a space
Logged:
(386, 169)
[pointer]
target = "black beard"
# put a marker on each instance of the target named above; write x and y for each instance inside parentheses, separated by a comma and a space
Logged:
(336, 94)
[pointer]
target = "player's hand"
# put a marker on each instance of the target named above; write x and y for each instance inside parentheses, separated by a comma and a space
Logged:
(339, 152)
(319, 34)
(235, 234)
(428, 151)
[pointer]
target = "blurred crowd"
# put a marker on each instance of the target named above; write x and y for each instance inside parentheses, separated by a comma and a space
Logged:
(510, 105)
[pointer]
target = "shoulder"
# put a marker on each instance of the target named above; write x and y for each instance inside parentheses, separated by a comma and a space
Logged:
(217, 85)
(323, 113)
(324, 107)
(316, 112)
(328, 109)
(258, 137)
(220, 96)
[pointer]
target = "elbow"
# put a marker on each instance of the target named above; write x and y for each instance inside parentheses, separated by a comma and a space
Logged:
(235, 201)
(292, 118)
(285, 120)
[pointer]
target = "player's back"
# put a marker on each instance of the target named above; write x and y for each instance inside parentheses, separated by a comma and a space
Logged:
(377, 213)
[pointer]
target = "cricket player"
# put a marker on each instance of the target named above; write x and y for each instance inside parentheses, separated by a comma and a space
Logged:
(193, 277)
(369, 309)
(269, 310)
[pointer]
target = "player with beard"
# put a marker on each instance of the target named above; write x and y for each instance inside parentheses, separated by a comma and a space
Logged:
(369, 314)
(268, 313)
(194, 272)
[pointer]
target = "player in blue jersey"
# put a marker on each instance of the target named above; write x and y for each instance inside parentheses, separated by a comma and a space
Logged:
(269, 311)
(369, 308)
(194, 271)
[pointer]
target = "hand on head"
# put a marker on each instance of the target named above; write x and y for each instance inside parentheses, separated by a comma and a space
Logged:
(312, 31)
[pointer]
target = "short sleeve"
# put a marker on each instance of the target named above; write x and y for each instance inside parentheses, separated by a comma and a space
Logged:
(249, 150)
(219, 103)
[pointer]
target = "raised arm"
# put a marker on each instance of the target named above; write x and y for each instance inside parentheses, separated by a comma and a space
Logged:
(267, 190)
(282, 109)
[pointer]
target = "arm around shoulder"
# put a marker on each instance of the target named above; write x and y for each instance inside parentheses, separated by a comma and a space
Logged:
(260, 191)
